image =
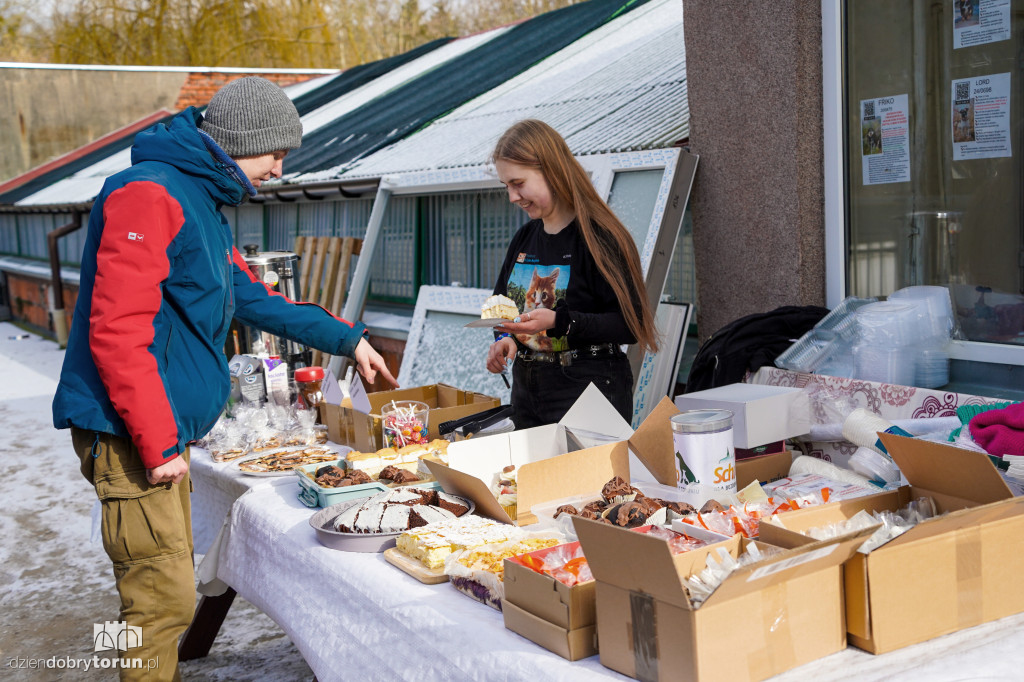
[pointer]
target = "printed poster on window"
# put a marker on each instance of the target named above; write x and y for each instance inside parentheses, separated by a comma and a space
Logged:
(885, 140)
(976, 22)
(981, 117)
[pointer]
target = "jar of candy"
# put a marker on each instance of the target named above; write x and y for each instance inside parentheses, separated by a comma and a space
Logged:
(405, 423)
(310, 382)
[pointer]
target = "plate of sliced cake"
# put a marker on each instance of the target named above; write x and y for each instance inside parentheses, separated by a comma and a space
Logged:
(373, 524)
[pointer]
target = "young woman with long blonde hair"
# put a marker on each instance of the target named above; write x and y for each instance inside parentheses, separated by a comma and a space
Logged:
(574, 272)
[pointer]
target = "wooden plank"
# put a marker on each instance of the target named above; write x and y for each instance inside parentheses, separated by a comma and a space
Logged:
(306, 266)
(316, 276)
(340, 288)
(334, 253)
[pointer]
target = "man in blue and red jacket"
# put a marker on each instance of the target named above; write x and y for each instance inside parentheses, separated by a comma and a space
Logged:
(145, 372)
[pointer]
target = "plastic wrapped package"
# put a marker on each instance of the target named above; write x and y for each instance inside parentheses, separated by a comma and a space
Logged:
(719, 565)
(480, 572)
(745, 517)
(890, 524)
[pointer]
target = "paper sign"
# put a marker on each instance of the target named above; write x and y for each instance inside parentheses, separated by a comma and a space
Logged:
(332, 390)
(981, 117)
(885, 140)
(357, 393)
(976, 22)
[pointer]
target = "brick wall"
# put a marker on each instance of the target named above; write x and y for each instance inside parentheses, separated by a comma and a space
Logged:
(30, 300)
(199, 88)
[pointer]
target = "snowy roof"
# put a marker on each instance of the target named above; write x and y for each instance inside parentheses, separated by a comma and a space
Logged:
(608, 74)
(621, 87)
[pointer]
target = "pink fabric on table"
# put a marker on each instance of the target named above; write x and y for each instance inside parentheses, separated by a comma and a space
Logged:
(1000, 432)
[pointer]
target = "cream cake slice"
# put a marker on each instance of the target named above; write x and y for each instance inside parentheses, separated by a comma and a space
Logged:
(499, 307)
(431, 544)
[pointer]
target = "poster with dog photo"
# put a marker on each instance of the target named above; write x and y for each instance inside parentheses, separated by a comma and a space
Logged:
(980, 117)
(885, 140)
(976, 22)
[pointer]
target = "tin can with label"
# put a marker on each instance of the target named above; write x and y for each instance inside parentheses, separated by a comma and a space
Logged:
(704, 454)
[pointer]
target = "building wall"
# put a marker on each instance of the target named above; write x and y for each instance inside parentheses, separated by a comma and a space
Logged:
(29, 299)
(56, 110)
(754, 78)
(49, 112)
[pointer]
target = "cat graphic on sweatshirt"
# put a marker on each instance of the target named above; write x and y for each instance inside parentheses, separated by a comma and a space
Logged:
(540, 294)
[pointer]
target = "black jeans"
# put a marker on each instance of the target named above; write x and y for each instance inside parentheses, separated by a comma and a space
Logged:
(542, 392)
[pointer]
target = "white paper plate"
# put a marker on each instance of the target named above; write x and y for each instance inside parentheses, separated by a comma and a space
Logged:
(492, 322)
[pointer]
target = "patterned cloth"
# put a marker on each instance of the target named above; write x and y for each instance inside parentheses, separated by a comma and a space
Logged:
(833, 397)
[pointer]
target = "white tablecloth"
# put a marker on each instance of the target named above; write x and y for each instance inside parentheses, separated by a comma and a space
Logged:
(216, 487)
(354, 616)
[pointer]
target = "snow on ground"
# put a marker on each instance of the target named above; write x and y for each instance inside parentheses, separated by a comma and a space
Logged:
(55, 583)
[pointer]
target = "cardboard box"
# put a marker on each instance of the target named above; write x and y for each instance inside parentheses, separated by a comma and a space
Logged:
(569, 644)
(576, 456)
(762, 414)
(567, 607)
(945, 574)
(763, 619)
(574, 473)
(560, 618)
(653, 448)
(362, 432)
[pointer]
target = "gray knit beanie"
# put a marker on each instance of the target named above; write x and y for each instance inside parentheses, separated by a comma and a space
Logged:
(252, 116)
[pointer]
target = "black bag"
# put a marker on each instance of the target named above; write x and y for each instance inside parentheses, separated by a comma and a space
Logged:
(749, 343)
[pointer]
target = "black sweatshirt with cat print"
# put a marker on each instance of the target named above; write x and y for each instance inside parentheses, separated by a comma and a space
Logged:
(557, 271)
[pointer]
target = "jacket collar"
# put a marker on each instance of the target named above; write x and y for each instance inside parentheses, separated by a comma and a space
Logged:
(180, 144)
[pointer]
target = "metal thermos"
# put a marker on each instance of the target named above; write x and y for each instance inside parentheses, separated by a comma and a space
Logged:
(279, 271)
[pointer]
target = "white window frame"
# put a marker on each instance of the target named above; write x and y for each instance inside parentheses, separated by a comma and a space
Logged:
(602, 168)
(835, 189)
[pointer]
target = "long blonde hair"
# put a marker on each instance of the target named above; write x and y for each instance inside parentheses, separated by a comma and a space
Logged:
(535, 144)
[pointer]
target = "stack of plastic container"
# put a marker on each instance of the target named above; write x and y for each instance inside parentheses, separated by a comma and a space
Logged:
(884, 351)
(935, 324)
(826, 348)
(903, 340)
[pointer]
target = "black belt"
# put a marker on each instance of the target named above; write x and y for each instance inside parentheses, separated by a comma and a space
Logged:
(566, 357)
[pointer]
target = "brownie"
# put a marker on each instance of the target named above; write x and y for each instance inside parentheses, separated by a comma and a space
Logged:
(566, 509)
(681, 508)
(358, 477)
(648, 504)
(711, 506)
(627, 515)
(330, 476)
(396, 475)
(616, 487)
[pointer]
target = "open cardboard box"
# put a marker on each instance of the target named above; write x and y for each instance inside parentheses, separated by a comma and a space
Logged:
(362, 432)
(578, 455)
(556, 616)
(653, 447)
(761, 414)
(765, 618)
(945, 574)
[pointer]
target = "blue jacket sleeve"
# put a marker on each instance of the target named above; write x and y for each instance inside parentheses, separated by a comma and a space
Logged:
(307, 323)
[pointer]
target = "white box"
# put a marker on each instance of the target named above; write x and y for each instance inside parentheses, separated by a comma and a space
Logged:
(763, 414)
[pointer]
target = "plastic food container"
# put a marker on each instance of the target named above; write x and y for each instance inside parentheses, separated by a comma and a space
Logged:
(309, 381)
(314, 495)
(705, 456)
(405, 423)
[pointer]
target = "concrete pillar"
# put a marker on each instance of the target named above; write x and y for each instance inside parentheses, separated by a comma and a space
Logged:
(754, 80)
